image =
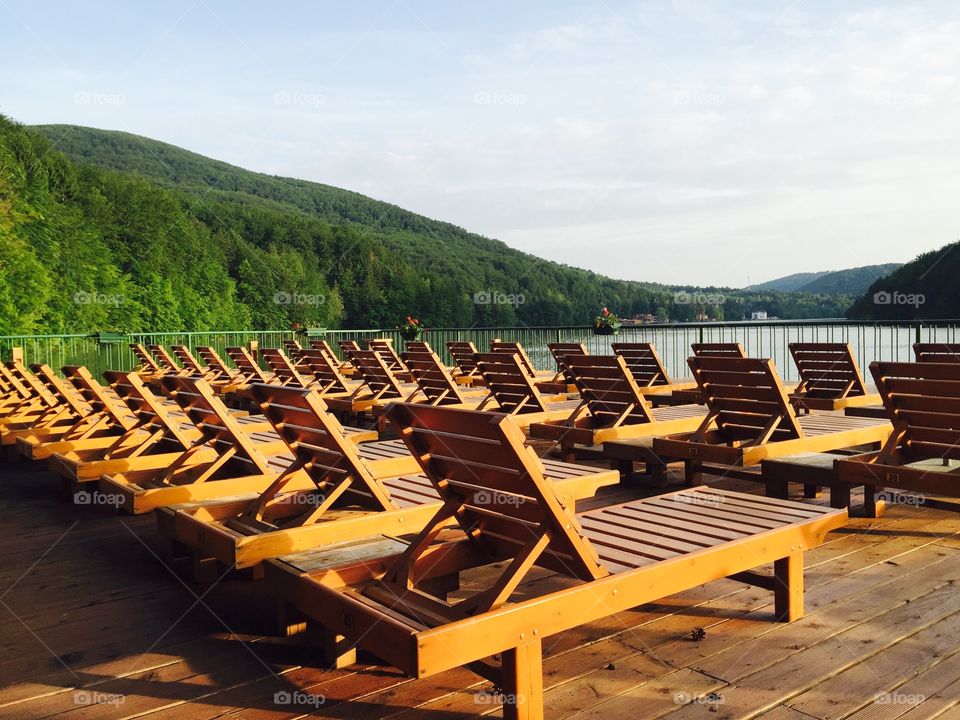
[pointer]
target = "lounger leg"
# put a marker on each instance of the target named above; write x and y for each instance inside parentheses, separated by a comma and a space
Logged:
(839, 495)
(777, 489)
(337, 651)
(788, 587)
(872, 505)
(522, 682)
(693, 472)
(290, 621)
(810, 491)
(204, 568)
(624, 467)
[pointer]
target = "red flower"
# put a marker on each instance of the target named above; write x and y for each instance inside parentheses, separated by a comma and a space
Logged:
(605, 312)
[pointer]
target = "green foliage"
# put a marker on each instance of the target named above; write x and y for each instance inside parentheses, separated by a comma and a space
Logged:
(141, 235)
(922, 289)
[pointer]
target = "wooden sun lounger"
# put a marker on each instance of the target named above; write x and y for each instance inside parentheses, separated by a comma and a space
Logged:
(750, 419)
(65, 414)
(651, 375)
(222, 376)
(937, 352)
(327, 378)
(343, 366)
(922, 455)
(190, 364)
(146, 365)
(380, 385)
(463, 354)
(384, 346)
(612, 407)
(353, 491)
(245, 462)
(381, 593)
(107, 419)
(31, 399)
(161, 434)
(293, 349)
(562, 382)
(284, 371)
(248, 373)
(830, 378)
(17, 397)
(166, 363)
(435, 385)
(515, 393)
(718, 349)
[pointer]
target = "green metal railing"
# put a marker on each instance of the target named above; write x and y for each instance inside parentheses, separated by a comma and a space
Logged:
(870, 341)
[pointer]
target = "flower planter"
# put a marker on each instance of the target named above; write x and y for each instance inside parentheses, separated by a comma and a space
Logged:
(409, 335)
(606, 329)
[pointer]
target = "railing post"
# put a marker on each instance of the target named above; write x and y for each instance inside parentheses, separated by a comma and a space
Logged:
(917, 336)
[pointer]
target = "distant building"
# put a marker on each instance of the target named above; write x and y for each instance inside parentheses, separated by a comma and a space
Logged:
(759, 315)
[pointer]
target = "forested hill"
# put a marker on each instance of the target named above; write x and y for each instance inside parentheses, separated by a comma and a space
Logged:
(853, 281)
(925, 288)
(132, 234)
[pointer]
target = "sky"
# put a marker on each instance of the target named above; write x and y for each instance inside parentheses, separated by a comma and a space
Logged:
(683, 141)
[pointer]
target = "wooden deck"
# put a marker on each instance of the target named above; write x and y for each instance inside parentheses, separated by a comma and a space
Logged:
(93, 625)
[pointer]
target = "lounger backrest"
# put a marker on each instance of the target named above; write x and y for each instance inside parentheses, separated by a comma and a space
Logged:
(384, 346)
(827, 370)
(283, 369)
(514, 348)
(246, 365)
(216, 364)
(607, 387)
(417, 346)
(12, 383)
(62, 390)
(718, 350)
(644, 363)
(318, 442)
(376, 375)
(560, 350)
(347, 347)
(494, 486)
(221, 430)
(509, 383)
(188, 361)
(923, 402)
(937, 352)
(97, 396)
(292, 347)
(146, 362)
(30, 381)
(150, 411)
(163, 358)
(745, 399)
(324, 347)
(433, 379)
(326, 372)
(463, 354)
